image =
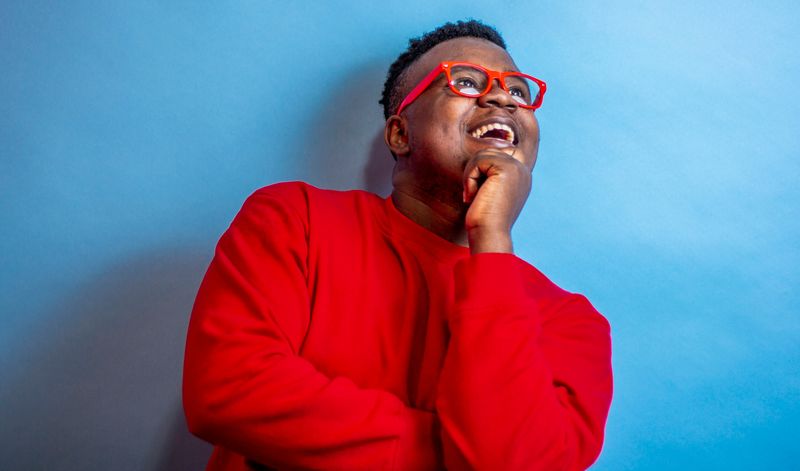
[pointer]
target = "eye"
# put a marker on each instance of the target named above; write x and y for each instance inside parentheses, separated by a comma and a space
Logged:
(519, 95)
(516, 92)
(467, 86)
(520, 88)
(465, 82)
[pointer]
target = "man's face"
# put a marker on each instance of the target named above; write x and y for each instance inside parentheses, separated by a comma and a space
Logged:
(441, 126)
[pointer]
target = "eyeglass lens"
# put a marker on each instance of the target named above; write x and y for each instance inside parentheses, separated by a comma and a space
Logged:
(472, 82)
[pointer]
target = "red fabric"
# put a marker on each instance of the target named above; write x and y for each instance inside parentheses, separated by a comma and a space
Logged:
(331, 332)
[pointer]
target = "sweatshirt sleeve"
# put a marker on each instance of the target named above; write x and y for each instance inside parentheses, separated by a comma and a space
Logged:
(526, 383)
(246, 389)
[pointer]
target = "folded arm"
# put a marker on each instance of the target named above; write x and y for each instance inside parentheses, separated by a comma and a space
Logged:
(526, 382)
(245, 386)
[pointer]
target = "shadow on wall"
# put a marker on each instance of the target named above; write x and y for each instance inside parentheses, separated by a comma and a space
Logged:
(348, 150)
(100, 387)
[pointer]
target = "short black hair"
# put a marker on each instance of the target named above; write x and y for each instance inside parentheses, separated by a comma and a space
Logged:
(419, 46)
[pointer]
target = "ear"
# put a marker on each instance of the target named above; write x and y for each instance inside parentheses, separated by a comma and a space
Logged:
(396, 136)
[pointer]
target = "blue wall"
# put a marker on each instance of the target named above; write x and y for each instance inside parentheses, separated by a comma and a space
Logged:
(666, 191)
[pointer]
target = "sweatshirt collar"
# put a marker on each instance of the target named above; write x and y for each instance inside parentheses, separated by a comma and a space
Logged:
(440, 247)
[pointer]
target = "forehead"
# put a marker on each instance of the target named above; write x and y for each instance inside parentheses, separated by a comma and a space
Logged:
(467, 49)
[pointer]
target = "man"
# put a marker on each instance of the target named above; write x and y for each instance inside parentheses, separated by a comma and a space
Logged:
(337, 330)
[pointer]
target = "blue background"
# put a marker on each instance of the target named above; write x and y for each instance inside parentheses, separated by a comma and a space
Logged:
(666, 191)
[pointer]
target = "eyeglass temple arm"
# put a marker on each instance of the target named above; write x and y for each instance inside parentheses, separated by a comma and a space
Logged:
(417, 91)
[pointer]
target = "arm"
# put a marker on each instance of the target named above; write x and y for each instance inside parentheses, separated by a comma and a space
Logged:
(526, 382)
(245, 386)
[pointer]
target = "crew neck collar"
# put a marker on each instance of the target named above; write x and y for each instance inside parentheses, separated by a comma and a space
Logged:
(400, 223)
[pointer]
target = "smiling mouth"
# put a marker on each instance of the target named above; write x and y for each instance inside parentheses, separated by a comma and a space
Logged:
(498, 131)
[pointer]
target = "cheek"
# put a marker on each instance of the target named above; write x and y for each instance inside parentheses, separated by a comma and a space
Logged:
(532, 132)
(444, 131)
(439, 127)
(531, 122)
(447, 117)
(429, 137)
(530, 148)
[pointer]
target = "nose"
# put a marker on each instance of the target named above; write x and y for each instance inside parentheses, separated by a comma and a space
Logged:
(498, 97)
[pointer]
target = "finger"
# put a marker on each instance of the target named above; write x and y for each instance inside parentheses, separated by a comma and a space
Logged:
(478, 170)
(472, 180)
(474, 176)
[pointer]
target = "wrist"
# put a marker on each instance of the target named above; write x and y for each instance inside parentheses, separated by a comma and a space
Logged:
(483, 240)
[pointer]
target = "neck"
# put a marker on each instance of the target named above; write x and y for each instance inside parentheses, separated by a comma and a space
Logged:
(442, 216)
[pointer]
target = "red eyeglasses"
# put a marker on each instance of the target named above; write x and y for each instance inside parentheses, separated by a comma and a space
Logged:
(473, 81)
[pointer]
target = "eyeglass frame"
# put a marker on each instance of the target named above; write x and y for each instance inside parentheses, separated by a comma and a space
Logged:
(491, 74)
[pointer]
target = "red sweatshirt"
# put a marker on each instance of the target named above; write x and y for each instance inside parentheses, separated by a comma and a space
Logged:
(332, 332)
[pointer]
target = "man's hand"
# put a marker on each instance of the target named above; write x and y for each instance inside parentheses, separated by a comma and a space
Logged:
(496, 186)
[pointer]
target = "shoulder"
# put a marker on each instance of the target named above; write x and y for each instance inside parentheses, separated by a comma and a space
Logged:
(285, 193)
(301, 194)
(560, 305)
(301, 202)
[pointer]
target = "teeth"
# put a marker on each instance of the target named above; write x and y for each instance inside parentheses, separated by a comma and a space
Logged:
(478, 133)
